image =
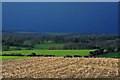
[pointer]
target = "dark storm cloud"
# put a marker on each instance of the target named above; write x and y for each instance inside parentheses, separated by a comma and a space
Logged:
(61, 17)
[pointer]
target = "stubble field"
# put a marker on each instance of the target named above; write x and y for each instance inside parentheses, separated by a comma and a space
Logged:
(59, 67)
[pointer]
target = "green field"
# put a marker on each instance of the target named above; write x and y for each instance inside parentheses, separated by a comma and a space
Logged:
(48, 45)
(44, 52)
(56, 53)
(14, 48)
(110, 55)
(42, 46)
(11, 57)
(51, 52)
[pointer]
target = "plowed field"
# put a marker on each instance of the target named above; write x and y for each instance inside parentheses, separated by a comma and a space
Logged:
(59, 67)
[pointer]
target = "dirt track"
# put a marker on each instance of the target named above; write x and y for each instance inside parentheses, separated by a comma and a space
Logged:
(49, 67)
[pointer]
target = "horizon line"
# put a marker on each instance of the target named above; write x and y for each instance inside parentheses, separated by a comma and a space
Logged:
(56, 32)
(59, 0)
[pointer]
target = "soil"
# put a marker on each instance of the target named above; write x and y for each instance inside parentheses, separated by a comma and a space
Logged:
(59, 67)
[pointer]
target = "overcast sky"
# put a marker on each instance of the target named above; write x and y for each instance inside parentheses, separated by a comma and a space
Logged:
(61, 17)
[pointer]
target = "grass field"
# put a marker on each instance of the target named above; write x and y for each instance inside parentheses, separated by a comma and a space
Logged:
(14, 48)
(51, 52)
(48, 45)
(111, 55)
(11, 57)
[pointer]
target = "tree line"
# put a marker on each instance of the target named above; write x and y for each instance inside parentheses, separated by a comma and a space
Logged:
(72, 41)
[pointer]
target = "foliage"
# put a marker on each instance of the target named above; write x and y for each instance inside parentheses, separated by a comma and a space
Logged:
(13, 54)
(110, 55)
(58, 41)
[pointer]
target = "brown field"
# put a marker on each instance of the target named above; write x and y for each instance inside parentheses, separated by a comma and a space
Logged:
(58, 67)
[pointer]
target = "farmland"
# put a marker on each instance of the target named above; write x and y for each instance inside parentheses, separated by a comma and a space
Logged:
(59, 67)
(58, 44)
(51, 52)
(73, 55)
(65, 40)
(46, 52)
(11, 57)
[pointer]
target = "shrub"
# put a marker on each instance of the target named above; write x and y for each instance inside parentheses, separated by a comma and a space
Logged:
(91, 53)
(77, 56)
(13, 54)
(32, 54)
(86, 56)
(68, 56)
(18, 48)
(40, 55)
(49, 55)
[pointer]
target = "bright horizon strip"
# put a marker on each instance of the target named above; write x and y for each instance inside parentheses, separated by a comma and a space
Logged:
(60, 0)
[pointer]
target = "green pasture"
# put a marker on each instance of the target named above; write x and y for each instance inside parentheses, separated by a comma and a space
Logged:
(51, 52)
(11, 57)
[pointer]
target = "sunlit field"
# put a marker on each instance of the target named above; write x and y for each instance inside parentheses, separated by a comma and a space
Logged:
(51, 52)
(59, 67)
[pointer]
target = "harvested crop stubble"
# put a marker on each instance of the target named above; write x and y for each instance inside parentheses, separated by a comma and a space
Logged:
(59, 67)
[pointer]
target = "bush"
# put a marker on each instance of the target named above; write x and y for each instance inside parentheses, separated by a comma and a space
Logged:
(86, 56)
(29, 48)
(18, 48)
(77, 56)
(32, 54)
(97, 52)
(39, 55)
(91, 53)
(69, 56)
(13, 54)
(5, 47)
(49, 55)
